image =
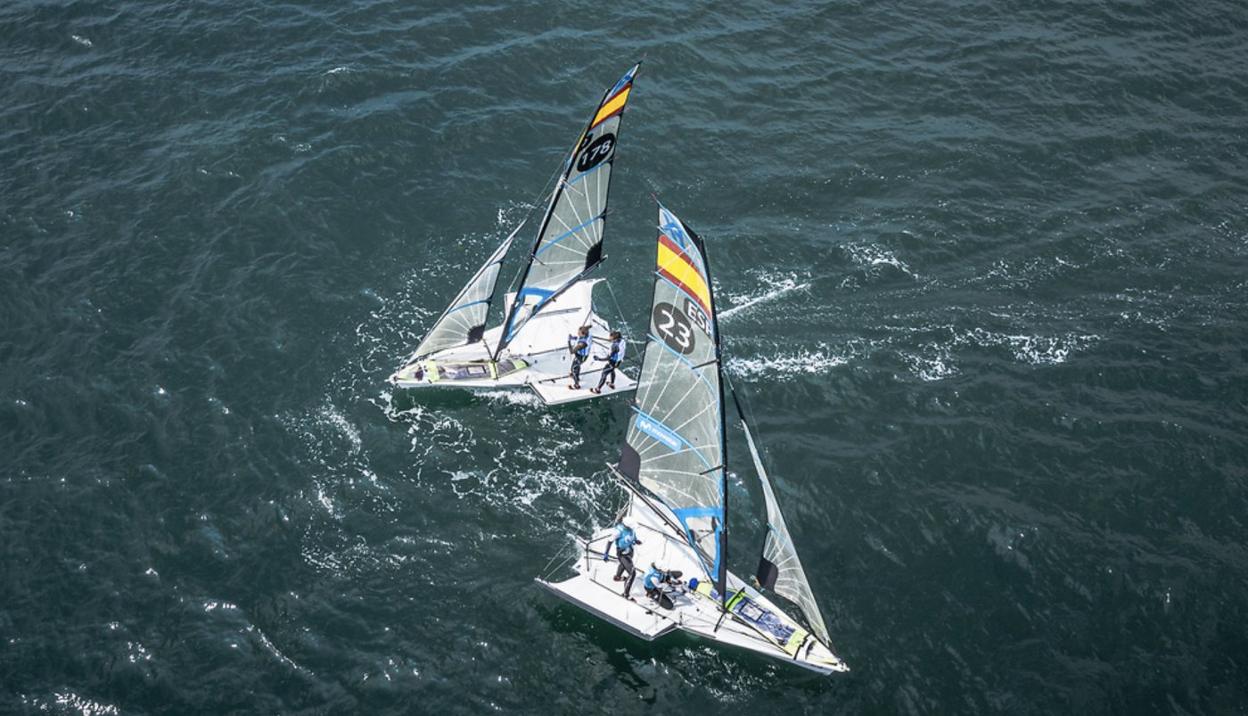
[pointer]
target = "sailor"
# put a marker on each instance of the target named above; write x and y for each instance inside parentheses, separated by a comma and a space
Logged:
(614, 357)
(625, 539)
(578, 346)
(653, 582)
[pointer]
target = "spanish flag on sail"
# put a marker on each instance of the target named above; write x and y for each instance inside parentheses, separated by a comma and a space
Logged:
(675, 265)
(615, 99)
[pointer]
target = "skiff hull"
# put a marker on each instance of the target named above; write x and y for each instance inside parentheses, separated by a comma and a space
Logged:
(595, 590)
(538, 358)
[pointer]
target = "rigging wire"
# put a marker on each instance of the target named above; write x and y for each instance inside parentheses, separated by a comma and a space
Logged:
(549, 570)
(619, 313)
(544, 195)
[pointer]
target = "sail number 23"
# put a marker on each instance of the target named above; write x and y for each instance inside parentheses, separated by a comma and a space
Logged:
(674, 328)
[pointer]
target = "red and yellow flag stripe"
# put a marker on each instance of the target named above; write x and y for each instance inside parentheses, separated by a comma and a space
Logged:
(613, 106)
(676, 267)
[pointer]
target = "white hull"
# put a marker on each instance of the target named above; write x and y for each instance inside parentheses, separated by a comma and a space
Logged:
(594, 589)
(542, 349)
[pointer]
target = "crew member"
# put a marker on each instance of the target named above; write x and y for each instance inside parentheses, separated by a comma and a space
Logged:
(653, 582)
(578, 346)
(614, 357)
(625, 539)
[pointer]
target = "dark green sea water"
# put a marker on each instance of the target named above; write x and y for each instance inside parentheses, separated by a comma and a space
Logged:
(984, 273)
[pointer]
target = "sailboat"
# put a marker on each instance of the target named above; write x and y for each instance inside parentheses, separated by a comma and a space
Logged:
(554, 296)
(673, 467)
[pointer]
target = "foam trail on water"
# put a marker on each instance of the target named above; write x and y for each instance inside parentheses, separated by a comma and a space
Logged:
(778, 286)
(774, 293)
(870, 255)
(786, 367)
(514, 397)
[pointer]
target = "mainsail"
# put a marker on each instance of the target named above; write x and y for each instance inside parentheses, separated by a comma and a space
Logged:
(569, 242)
(675, 441)
(779, 569)
(463, 322)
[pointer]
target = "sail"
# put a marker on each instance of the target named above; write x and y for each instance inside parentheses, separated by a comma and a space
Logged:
(569, 243)
(463, 322)
(675, 441)
(779, 569)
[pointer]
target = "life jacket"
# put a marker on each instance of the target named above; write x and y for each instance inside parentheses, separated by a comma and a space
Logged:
(580, 345)
(652, 578)
(625, 538)
(617, 351)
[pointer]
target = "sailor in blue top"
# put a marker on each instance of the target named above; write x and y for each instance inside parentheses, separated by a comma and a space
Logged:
(624, 540)
(653, 582)
(614, 357)
(578, 346)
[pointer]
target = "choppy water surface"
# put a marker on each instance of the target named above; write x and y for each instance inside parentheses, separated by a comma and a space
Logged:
(983, 271)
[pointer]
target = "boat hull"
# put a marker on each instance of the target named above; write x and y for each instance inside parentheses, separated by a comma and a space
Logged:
(595, 590)
(538, 358)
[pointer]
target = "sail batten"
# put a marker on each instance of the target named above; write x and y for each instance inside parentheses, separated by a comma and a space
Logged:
(570, 232)
(569, 241)
(780, 569)
(674, 446)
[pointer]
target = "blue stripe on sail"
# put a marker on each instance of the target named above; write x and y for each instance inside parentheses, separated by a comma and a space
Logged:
(655, 428)
(694, 512)
(543, 296)
(659, 431)
(628, 77)
(699, 512)
(566, 234)
(465, 305)
(672, 227)
(581, 176)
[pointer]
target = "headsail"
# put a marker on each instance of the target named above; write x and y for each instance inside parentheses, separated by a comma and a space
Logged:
(675, 441)
(779, 569)
(463, 322)
(569, 242)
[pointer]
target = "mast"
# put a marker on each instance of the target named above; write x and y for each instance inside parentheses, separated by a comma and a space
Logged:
(504, 337)
(721, 579)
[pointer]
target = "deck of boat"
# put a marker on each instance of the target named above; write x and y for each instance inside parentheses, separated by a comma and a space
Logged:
(594, 589)
(543, 345)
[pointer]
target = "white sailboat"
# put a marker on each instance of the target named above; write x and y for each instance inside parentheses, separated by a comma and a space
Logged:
(554, 297)
(673, 466)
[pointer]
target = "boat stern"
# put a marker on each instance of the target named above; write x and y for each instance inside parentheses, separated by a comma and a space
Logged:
(609, 605)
